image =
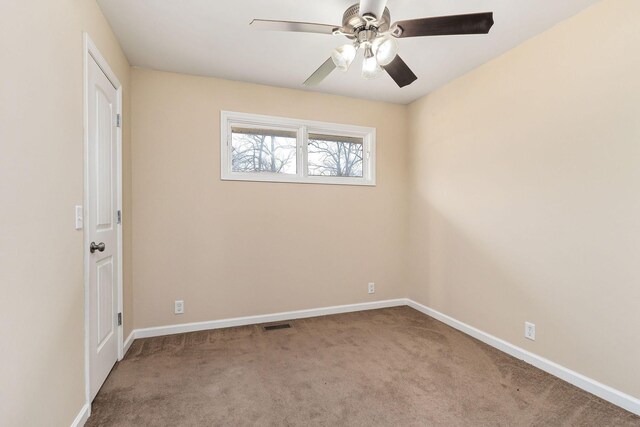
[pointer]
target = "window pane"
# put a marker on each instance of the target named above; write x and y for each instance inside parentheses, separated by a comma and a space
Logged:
(263, 150)
(331, 155)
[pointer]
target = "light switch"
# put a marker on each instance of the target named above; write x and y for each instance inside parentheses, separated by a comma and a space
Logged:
(79, 217)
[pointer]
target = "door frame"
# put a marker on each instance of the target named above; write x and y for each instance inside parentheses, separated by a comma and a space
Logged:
(90, 51)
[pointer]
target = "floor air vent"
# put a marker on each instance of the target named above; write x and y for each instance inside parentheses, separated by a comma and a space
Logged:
(276, 327)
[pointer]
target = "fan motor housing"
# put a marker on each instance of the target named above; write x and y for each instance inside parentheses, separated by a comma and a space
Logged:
(352, 22)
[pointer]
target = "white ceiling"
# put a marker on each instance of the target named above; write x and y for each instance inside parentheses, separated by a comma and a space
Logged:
(213, 38)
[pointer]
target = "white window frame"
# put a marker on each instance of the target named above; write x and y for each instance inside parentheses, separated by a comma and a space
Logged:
(302, 128)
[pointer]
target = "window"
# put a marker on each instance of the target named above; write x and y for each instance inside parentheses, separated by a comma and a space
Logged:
(264, 148)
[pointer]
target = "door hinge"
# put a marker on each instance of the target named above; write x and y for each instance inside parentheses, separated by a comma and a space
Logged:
(119, 319)
(119, 217)
(118, 120)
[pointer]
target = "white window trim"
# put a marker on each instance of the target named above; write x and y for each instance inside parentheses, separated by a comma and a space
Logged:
(303, 128)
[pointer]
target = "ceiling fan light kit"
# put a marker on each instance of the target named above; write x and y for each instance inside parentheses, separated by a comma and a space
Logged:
(368, 25)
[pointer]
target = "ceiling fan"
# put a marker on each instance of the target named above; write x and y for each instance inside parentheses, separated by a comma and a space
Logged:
(368, 26)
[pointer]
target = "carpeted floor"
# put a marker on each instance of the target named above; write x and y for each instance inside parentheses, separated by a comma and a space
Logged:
(389, 367)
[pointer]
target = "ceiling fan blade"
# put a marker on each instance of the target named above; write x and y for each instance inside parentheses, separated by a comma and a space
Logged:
(321, 73)
(301, 27)
(475, 23)
(400, 72)
(374, 7)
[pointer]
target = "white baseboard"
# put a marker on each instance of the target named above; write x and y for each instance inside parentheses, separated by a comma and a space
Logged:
(82, 416)
(128, 342)
(592, 386)
(265, 318)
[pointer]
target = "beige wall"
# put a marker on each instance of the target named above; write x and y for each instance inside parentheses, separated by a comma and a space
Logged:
(525, 178)
(245, 248)
(41, 170)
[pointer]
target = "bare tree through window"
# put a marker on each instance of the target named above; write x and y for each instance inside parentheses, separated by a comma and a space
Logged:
(335, 155)
(263, 150)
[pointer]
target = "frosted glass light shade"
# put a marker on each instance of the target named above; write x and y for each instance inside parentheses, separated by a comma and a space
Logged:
(343, 56)
(385, 48)
(370, 68)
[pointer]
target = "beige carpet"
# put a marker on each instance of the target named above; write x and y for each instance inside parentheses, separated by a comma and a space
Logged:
(389, 367)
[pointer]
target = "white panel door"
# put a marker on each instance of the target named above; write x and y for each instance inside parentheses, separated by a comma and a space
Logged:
(101, 224)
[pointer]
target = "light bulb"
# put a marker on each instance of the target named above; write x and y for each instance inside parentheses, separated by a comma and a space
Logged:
(385, 48)
(370, 67)
(343, 56)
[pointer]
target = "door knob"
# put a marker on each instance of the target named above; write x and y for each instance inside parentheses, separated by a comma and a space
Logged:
(98, 247)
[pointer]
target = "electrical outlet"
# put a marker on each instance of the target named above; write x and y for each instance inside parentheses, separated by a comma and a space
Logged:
(530, 331)
(179, 307)
(372, 288)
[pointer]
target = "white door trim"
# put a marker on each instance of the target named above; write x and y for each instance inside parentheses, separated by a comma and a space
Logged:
(91, 51)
